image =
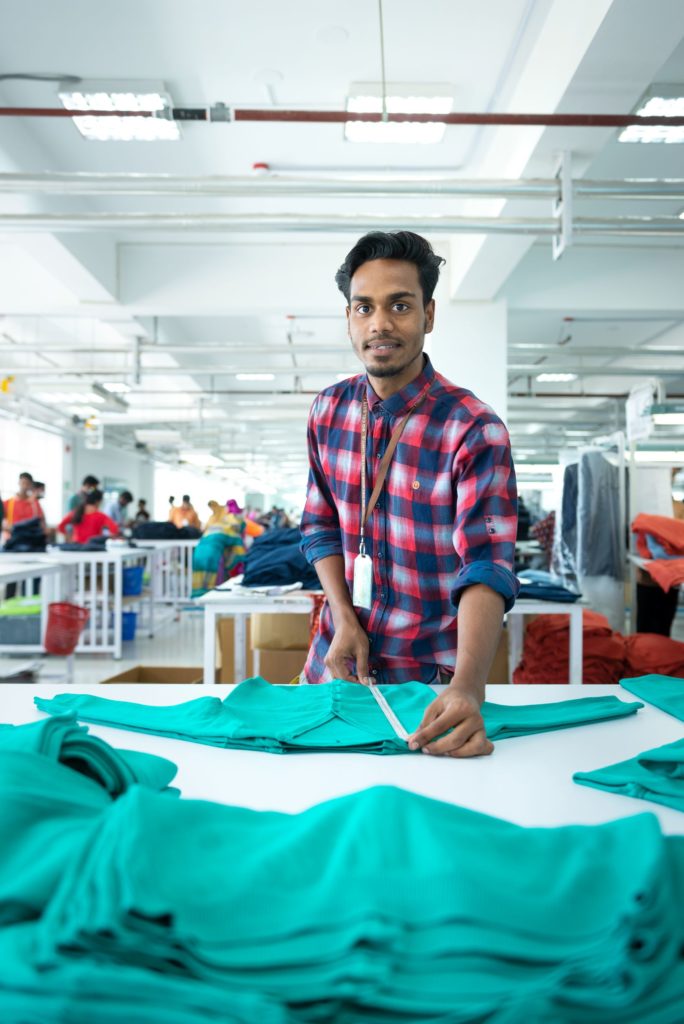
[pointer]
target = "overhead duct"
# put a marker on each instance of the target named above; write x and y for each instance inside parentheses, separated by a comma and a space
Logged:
(189, 186)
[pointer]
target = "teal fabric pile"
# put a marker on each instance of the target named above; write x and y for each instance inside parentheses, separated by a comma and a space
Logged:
(337, 716)
(665, 692)
(63, 739)
(379, 906)
(656, 775)
(382, 906)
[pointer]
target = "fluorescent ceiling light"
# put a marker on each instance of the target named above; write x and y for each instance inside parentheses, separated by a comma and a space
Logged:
(96, 94)
(116, 387)
(400, 98)
(668, 418)
(555, 378)
(662, 101)
(255, 376)
(662, 456)
(198, 458)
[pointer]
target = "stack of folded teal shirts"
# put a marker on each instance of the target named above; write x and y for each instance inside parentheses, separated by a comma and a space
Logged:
(123, 904)
(337, 716)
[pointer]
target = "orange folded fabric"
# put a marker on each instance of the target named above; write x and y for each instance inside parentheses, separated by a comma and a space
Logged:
(652, 654)
(546, 655)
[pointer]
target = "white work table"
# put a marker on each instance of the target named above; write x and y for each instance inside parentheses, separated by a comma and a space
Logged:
(24, 568)
(526, 780)
(221, 603)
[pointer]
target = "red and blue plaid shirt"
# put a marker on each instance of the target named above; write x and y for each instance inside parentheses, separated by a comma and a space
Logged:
(446, 517)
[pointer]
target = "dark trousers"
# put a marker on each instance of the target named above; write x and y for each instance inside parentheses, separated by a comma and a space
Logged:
(655, 609)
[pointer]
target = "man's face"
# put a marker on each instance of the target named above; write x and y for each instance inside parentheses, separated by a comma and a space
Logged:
(24, 485)
(386, 318)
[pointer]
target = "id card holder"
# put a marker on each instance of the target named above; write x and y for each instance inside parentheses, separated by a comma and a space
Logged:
(362, 595)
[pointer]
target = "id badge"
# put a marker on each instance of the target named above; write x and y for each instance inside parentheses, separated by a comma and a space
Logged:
(363, 582)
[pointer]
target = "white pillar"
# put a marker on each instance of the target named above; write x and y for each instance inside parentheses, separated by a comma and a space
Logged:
(469, 347)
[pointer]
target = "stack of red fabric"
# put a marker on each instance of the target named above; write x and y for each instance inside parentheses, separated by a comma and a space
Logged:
(546, 654)
(607, 657)
(649, 653)
(668, 533)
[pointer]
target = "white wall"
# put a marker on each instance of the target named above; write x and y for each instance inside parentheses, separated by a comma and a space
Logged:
(135, 472)
(28, 449)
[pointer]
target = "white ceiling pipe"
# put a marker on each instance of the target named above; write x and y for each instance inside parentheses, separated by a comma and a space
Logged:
(190, 349)
(257, 222)
(93, 183)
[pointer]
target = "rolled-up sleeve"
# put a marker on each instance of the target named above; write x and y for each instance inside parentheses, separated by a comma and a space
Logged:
(320, 525)
(486, 511)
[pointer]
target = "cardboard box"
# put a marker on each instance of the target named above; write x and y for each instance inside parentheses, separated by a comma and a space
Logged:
(226, 638)
(157, 674)
(280, 632)
(281, 666)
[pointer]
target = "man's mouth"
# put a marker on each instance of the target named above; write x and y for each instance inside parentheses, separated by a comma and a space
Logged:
(382, 346)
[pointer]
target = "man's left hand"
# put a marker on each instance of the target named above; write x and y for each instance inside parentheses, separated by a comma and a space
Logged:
(456, 711)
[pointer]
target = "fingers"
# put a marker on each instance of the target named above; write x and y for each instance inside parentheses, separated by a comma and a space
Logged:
(477, 746)
(339, 667)
(362, 670)
(429, 727)
(458, 737)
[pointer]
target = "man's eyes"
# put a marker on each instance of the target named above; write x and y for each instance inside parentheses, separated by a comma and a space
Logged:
(400, 307)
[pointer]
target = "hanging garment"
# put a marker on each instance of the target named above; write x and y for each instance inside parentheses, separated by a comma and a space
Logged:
(600, 531)
(666, 694)
(546, 651)
(652, 654)
(326, 913)
(656, 775)
(63, 739)
(339, 717)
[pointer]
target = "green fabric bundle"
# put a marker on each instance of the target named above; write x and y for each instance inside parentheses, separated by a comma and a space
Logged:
(666, 692)
(380, 906)
(63, 739)
(337, 716)
(656, 775)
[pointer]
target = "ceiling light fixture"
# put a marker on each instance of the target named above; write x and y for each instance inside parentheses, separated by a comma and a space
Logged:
(400, 98)
(116, 387)
(660, 101)
(555, 378)
(104, 94)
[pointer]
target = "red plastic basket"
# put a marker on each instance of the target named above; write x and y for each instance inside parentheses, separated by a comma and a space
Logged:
(64, 627)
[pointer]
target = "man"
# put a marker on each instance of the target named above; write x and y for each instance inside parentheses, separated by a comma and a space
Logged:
(23, 506)
(90, 484)
(116, 510)
(439, 542)
(184, 514)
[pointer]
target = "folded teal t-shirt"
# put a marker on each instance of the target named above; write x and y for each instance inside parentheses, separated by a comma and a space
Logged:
(337, 716)
(666, 692)
(656, 775)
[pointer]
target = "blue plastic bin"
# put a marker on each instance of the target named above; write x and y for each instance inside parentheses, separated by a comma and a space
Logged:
(132, 580)
(129, 621)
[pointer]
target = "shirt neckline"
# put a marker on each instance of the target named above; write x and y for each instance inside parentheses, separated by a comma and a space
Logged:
(399, 402)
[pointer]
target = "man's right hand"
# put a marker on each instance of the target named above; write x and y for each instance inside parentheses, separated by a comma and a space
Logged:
(349, 647)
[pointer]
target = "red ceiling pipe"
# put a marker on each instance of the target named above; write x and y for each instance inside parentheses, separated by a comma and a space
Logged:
(341, 116)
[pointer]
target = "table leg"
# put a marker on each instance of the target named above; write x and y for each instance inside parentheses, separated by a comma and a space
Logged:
(576, 646)
(151, 568)
(240, 644)
(118, 606)
(514, 625)
(209, 659)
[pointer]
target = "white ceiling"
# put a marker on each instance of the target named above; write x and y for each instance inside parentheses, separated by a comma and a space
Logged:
(226, 301)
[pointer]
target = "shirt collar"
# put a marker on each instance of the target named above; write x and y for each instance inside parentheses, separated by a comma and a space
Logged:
(398, 403)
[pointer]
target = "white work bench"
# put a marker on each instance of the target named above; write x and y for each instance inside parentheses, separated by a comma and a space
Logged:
(94, 580)
(514, 623)
(222, 603)
(24, 569)
(527, 780)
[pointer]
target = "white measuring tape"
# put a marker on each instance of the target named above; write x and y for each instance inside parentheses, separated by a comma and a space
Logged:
(388, 713)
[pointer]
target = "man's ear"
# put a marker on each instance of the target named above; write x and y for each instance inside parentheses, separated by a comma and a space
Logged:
(429, 316)
(348, 313)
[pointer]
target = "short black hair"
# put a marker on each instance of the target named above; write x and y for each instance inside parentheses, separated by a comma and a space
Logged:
(186, 497)
(38, 483)
(26, 476)
(127, 497)
(392, 245)
(90, 481)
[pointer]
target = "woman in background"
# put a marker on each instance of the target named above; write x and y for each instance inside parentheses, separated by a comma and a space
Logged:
(87, 521)
(219, 553)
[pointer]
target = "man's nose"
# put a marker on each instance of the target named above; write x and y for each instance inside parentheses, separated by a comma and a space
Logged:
(382, 322)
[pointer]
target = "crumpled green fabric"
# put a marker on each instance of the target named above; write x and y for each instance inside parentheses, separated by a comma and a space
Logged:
(665, 692)
(382, 905)
(62, 739)
(337, 716)
(656, 775)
